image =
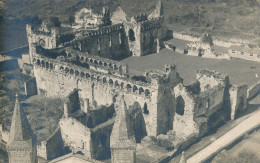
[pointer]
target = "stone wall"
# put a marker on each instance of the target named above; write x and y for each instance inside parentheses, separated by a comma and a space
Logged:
(238, 99)
(60, 78)
(53, 145)
(187, 37)
(183, 123)
(30, 87)
(253, 91)
(107, 42)
(75, 135)
(252, 55)
(123, 156)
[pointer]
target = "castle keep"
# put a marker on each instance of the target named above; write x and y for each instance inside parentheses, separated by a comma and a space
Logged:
(107, 112)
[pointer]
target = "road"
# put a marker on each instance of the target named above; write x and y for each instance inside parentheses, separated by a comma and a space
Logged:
(228, 138)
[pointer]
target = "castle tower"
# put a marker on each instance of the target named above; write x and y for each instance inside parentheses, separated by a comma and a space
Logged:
(21, 146)
(122, 139)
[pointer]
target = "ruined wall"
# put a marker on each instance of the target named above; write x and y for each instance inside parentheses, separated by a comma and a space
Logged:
(53, 146)
(108, 42)
(45, 39)
(253, 91)
(56, 79)
(209, 79)
(152, 32)
(30, 87)
(100, 138)
(238, 99)
(183, 123)
(73, 101)
(75, 135)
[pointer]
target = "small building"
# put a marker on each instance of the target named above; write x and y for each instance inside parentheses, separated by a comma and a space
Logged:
(252, 54)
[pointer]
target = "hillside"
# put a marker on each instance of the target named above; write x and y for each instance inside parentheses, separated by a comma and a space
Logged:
(223, 18)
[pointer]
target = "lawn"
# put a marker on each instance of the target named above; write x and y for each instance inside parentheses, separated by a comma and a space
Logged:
(240, 71)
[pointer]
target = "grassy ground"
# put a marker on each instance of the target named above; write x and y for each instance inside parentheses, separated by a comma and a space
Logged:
(43, 113)
(223, 19)
(240, 71)
(245, 151)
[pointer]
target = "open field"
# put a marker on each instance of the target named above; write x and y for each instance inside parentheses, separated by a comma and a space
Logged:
(239, 71)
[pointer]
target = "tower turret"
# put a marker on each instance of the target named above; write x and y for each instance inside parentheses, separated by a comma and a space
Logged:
(122, 139)
(21, 146)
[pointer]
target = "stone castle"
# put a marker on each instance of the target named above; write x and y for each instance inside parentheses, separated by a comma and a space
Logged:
(106, 111)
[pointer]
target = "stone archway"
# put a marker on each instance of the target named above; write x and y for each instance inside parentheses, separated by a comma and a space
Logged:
(180, 105)
(131, 35)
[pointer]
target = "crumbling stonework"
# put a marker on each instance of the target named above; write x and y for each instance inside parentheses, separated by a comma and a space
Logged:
(238, 96)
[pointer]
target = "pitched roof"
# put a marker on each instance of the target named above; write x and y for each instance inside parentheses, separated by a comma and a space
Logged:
(122, 135)
(20, 132)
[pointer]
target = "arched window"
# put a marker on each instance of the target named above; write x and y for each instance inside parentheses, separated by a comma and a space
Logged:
(147, 93)
(128, 87)
(82, 74)
(110, 82)
(145, 109)
(67, 70)
(87, 75)
(180, 105)
(135, 88)
(141, 90)
(76, 72)
(51, 66)
(71, 71)
(47, 64)
(38, 62)
(116, 84)
(98, 78)
(122, 85)
(104, 80)
(131, 35)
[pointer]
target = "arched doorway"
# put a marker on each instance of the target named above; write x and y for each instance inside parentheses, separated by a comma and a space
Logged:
(131, 35)
(180, 105)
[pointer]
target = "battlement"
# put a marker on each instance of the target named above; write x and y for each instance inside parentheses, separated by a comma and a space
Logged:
(126, 85)
(152, 23)
(99, 63)
(102, 30)
(140, 18)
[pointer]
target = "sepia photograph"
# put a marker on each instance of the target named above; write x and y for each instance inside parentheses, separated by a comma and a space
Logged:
(129, 81)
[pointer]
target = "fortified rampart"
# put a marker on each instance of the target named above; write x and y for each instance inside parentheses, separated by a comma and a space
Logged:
(58, 78)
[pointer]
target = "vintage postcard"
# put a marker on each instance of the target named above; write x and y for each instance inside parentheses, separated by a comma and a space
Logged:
(129, 81)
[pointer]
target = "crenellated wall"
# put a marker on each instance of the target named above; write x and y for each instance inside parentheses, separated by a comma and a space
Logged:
(108, 42)
(58, 78)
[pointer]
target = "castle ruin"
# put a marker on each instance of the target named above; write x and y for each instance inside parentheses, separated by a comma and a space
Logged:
(82, 64)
